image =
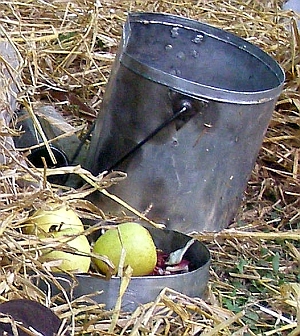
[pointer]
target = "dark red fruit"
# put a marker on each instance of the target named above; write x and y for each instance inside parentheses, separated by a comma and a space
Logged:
(30, 315)
(162, 268)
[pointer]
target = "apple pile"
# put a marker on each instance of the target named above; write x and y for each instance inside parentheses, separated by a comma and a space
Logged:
(130, 241)
(60, 222)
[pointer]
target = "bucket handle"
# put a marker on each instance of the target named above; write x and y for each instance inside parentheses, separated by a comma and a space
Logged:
(184, 108)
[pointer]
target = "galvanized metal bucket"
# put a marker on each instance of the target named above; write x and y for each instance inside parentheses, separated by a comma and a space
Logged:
(184, 114)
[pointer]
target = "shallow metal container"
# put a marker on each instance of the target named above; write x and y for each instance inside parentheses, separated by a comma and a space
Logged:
(146, 288)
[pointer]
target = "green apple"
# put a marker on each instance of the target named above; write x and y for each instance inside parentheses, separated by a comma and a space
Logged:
(138, 244)
(55, 217)
(67, 261)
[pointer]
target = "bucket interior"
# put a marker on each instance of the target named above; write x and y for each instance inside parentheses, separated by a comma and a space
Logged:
(203, 55)
(169, 241)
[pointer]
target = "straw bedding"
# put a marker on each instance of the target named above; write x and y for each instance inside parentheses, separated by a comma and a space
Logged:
(65, 50)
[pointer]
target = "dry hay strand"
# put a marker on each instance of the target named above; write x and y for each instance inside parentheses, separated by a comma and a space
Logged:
(65, 51)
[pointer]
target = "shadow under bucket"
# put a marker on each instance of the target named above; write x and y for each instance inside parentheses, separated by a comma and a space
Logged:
(184, 115)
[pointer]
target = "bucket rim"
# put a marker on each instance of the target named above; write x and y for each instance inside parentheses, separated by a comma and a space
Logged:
(192, 88)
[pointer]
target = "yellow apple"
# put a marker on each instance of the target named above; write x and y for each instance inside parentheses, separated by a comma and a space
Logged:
(67, 261)
(138, 244)
(55, 217)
